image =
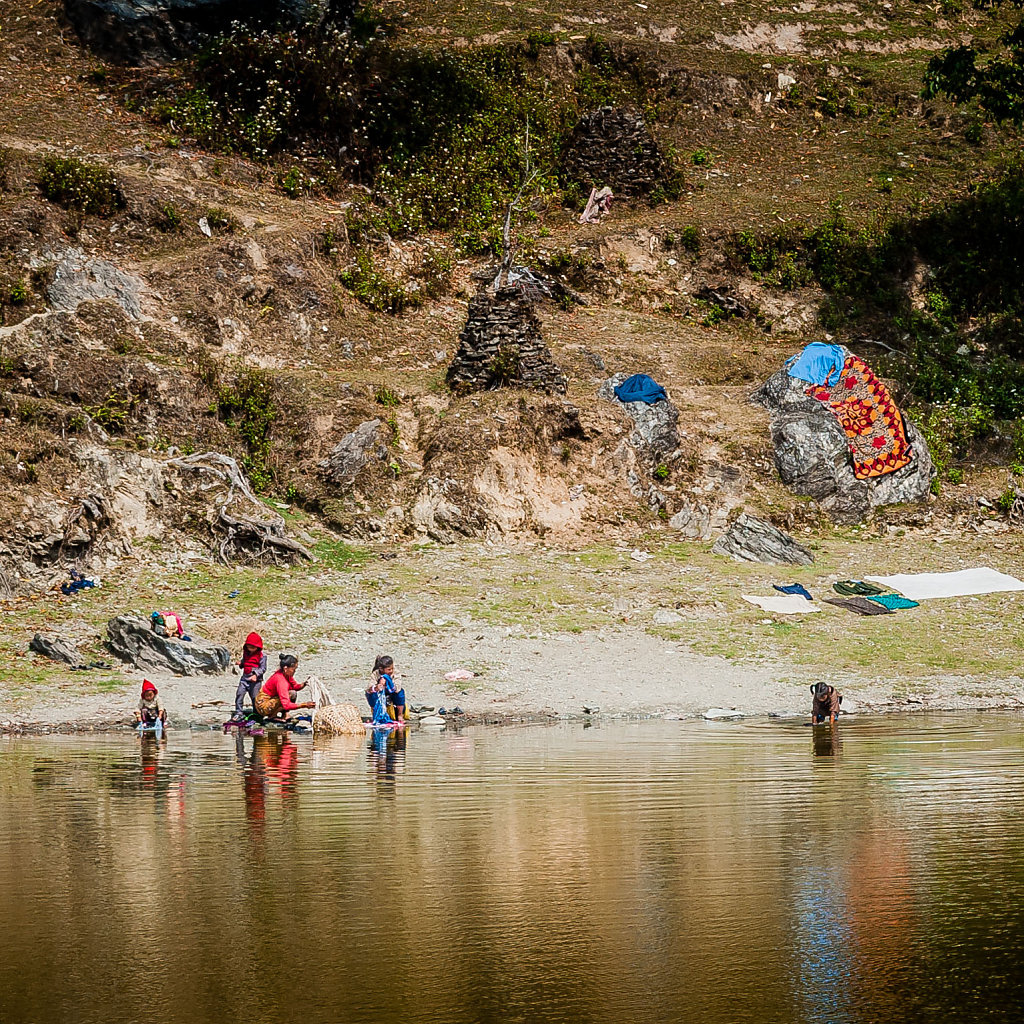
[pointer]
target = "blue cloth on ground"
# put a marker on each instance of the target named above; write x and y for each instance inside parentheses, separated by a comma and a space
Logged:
(893, 601)
(640, 388)
(817, 363)
(794, 588)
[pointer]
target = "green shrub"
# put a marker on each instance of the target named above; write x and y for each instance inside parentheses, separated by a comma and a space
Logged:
(113, 412)
(386, 396)
(535, 40)
(702, 158)
(221, 220)
(689, 238)
(504, 368)
(295, 182)
(436, 271)
(170, 219)
(89, 188)
(376, 289)
(248, 405)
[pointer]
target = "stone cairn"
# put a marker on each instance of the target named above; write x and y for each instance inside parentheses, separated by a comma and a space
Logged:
(501, 346)
(612, 146)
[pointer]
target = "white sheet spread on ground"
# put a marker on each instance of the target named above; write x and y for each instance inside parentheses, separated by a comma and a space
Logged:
(784, 604)
(923, 586)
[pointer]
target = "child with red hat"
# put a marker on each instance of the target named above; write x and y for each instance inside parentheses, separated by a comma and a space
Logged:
(254, 667)
(150, 710)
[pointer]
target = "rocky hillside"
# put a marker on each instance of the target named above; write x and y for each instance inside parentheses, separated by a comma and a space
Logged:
(191, 266)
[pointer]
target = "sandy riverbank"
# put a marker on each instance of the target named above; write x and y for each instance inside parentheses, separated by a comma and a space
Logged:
(547, 632)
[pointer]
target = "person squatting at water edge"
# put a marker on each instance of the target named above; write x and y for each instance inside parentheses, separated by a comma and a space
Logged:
(394, 695)
(150, 710)
(825, 705)
(254, 668)
(276, 697)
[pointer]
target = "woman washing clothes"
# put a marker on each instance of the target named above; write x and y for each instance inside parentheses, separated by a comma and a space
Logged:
(276, 697)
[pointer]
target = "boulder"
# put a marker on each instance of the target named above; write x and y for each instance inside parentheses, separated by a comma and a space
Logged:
(754, 540)
(78, 278)
(153, 31)
(352, 452)
(813, 458)
(55, 649)
(654, 426)
(133, 641)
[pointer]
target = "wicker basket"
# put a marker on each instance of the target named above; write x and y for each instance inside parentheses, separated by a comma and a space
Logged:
(338, 720)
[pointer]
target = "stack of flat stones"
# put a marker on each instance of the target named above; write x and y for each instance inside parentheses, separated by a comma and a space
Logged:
(612, 146)
(501, 344)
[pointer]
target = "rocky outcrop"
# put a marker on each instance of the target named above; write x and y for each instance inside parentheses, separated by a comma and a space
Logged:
(132, 640)
(813, 458)
(78, 278)
(612, 146)
(352, 453)
(55, 649)
(654, 426)
(153, 31)
(754, 540)
(501, 346)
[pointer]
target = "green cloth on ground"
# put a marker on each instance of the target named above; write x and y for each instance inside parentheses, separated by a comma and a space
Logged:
(893, 601)
(860, 605)
(856, 588)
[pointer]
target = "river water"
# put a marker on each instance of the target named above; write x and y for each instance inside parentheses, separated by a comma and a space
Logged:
(645, 871)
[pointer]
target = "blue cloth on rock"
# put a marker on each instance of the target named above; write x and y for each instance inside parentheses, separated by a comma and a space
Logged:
(640, 388)
(818, 363)
(794, 588)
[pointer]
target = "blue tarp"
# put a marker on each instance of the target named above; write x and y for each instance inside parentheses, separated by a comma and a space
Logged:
(819, 363)
(640, 388)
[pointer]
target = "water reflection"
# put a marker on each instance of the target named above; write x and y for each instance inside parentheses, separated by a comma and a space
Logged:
(641, 872)
(386, 749)
(827, 740)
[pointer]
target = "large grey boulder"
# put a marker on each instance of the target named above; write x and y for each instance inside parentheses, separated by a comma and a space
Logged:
(754, 540)
(55, 649)
(813, 457)
(352, 452)
(153, 31)
(132, 640)
(654, 426)
(78, 278)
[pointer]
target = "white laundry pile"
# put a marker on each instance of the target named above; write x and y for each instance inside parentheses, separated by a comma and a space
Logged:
(785, 604)
(923, 586)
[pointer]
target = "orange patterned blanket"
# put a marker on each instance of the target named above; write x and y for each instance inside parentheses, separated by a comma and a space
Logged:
(872, 422)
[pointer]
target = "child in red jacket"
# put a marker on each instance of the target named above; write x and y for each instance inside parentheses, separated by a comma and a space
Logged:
(254, 667)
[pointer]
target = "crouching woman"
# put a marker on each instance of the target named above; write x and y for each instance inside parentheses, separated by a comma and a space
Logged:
(276, 697)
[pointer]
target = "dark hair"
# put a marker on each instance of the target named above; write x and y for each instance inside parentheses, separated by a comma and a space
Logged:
(287, 660)
(383, 663)
(820, 690)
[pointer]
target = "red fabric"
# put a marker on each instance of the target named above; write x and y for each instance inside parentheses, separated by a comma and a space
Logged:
(278, 686)
(250, 662)
(870, 419)
(147, 686)
(255, 640)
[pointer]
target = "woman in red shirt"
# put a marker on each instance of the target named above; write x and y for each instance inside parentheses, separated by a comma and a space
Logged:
(276, 697)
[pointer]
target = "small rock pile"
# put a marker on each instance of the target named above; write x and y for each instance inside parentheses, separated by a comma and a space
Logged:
(612, 146)
(501, 345)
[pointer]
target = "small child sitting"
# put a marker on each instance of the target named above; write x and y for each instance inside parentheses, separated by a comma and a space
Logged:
(825, 704)
(150, 710)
